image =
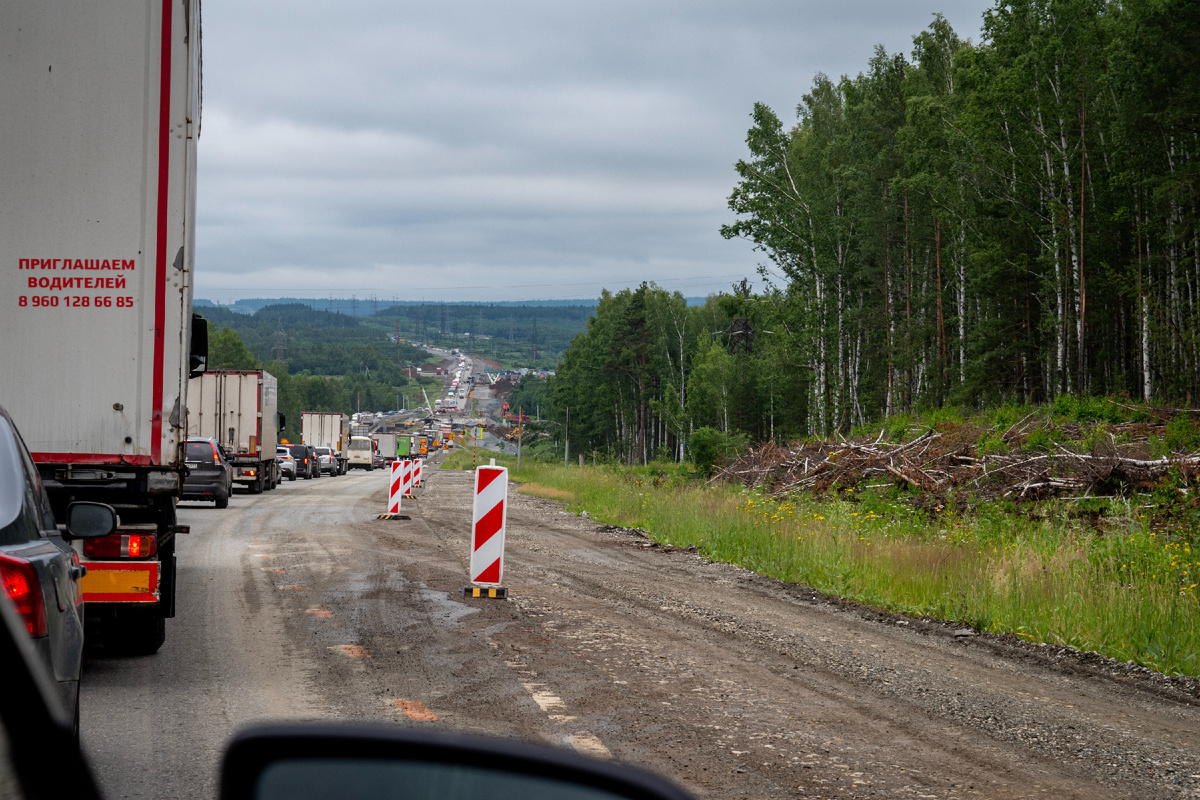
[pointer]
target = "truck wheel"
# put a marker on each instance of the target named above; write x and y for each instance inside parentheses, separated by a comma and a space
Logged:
(143, 636)
(257, 486)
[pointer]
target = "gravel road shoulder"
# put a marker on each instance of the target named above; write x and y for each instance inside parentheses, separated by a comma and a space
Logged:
(738, 685)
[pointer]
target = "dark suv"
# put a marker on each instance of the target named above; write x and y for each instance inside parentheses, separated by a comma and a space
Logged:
(306, 460)
(210, 475)
(40, 572)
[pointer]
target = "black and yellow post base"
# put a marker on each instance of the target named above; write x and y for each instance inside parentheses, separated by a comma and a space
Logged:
(394, 516)
(494, 592)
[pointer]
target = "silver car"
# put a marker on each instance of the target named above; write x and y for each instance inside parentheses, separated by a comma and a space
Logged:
(287, 464)
(326, 460)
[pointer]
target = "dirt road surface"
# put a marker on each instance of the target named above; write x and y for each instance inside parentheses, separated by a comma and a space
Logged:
(300, 603)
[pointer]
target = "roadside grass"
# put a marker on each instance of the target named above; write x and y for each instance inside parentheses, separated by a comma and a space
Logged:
(1129, 592)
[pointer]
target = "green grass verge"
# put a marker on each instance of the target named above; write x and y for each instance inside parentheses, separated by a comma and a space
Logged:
(1129, 593)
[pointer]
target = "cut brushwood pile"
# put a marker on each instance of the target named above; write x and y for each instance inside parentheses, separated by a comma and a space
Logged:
(990, 464)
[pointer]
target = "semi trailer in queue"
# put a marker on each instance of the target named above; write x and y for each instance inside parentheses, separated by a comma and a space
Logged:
(238, 408)
(328, 429)
(97, 202)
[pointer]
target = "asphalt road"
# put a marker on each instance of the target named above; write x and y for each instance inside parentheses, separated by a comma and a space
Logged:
(300, 603)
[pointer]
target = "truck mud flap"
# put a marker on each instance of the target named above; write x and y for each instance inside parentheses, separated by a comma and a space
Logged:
(167, 610)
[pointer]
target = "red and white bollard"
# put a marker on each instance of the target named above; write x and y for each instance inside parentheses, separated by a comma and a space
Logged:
(487, 530)
(407, 476)
(396, 490)
(418, 465)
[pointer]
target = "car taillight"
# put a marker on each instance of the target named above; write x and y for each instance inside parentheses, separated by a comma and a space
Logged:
(120, 545)
(22, 586)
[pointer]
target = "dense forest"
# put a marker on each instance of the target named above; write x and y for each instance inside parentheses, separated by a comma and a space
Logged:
(1014, 220)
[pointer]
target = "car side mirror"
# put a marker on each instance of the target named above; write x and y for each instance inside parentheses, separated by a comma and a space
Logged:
(88, 520)
(326, 761)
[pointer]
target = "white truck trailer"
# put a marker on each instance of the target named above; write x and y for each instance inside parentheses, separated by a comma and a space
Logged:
(386, 445)
(328, 429)
(97, 207)
(239, 408)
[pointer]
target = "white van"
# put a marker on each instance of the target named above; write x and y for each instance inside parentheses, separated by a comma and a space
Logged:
(362, 450)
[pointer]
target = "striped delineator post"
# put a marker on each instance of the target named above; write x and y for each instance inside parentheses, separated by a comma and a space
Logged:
(487, 530)
(418, 465)
(396, 489)
(408, 470)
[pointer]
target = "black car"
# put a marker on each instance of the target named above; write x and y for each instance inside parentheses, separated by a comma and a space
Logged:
(210, 475)
(40, 572)
(305, 456)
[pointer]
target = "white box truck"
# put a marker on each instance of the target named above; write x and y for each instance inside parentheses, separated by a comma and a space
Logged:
(239, 408)
(97, 196)
(328, 429)
(386, 445)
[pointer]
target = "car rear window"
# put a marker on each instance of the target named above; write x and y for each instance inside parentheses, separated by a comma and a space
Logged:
(17, 524)
(200, 451)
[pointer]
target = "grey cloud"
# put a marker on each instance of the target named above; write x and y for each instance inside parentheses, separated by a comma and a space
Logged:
(349, 147)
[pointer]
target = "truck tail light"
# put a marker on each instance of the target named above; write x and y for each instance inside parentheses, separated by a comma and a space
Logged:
(22, 586)
(119, 545)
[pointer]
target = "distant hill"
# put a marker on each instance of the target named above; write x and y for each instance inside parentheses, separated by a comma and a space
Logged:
(369, 307)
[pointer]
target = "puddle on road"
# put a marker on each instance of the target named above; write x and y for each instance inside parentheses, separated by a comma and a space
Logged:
(441, 607)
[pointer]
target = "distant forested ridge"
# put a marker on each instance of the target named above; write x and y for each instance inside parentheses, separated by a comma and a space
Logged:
(312, 339)
(1009, 221)
(534, 336)
(333, 361)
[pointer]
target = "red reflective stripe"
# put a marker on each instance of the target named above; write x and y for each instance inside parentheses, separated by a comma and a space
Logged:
(160, 247)
(90, 458)
(488, 525)
(489, 575)
(486, 476)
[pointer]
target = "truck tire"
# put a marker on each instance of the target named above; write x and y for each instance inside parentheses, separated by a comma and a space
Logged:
(143, 636)
(256, 486)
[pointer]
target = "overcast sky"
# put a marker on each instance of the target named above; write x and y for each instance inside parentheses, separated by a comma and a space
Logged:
(498, 150)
